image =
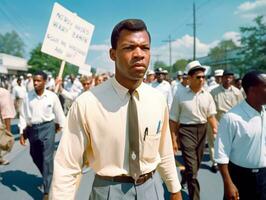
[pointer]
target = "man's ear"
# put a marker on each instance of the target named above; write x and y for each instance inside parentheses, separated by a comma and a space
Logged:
(112, 54)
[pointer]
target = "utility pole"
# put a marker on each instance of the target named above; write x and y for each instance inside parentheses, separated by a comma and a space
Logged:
(170, 51)
(194, 24)
(194, 32)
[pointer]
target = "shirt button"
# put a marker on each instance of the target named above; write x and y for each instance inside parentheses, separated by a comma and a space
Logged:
(133, 156)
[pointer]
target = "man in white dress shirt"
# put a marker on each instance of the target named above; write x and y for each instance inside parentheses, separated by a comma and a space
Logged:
(163, 86)
(240, 147)
(100, 126)
(41, 116)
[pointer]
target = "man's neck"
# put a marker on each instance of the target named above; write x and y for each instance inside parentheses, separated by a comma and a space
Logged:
(195, 89)
(255, 105)
(131, 85)
(39, 92)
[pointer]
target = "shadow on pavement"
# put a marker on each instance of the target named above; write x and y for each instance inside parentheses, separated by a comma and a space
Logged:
(19, 179)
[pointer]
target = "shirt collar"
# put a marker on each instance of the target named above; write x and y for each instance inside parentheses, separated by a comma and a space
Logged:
(122, 92)
(43, 95)
(202, 90)
(229, 89)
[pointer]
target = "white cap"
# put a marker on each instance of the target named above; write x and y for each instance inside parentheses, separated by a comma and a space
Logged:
(165, 71)
(150, 72)
(218, 72)
(179, 73)
(29, 74)
(194, 65)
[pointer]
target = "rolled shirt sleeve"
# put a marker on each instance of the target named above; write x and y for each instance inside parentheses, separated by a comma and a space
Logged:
(175, 109)
(167, 167)
(223, 142)
(58, 111)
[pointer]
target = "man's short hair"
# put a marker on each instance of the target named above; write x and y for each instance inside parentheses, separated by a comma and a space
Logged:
(133, 25)
(41, 73)
(252, 79)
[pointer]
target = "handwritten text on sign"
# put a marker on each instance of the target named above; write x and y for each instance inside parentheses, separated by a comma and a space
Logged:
(68, 36)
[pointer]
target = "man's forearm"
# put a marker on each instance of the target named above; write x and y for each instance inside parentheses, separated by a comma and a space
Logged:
(213, 123)
(8, 124)
(174, 126)
(224, 172)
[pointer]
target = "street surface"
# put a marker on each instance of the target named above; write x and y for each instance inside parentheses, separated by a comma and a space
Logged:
(21, 180)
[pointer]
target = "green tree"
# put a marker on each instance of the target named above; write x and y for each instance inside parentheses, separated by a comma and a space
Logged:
(161, 64)
(42, 61)
(11, 43)
(180, 65)
(253, 41)
(219, 53)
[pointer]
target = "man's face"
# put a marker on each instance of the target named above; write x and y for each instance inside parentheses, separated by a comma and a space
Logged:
(197, 79)
(150, 78)
(38, 83)
(227, 81)
(160, 77)
(132, 55)
(86, 84)
(260, 91)
(218, 79)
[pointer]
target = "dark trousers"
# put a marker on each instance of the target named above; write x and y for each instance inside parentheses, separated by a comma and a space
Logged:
(192, 142)
(251, 183)
(41, 138)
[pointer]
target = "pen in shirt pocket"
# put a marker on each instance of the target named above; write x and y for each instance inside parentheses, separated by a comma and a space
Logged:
(145, 133)
(158, 127)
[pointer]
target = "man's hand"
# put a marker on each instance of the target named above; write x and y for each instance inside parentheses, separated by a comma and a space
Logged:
(230, 191)
(175, 145)
(57, 128)
(176, 196)
(22, 140)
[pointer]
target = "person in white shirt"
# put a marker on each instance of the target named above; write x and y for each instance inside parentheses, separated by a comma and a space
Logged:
(41, 116)
(240, 146)
(86, 82)
(218, 74)
(163, 86)
(180, 86)
(50, 84)
(19, 93)
(101, 123)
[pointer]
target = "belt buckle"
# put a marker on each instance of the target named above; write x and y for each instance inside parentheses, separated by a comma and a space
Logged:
(255, 170)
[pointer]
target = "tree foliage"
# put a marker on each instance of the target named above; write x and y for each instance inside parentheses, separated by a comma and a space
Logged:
(180, 65)
(42, 61)
(253, 41)
(219, 52)
(158, 64)
(11, 43)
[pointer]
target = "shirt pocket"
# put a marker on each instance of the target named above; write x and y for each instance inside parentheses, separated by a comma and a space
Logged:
(151, 147)
(48, 109)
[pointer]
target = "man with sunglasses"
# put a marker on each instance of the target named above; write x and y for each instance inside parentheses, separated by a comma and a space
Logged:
(189, 115)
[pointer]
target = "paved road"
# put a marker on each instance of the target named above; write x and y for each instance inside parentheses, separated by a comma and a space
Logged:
(20, 180)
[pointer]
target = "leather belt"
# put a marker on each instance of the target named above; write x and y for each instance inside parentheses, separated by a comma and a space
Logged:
(128, 179)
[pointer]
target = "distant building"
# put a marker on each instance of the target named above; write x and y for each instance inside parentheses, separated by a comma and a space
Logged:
(12, 64)
(228, 62)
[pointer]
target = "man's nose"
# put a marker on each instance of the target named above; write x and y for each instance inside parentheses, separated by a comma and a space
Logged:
(138, 52)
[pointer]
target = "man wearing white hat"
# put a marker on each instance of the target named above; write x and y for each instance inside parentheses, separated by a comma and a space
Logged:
(163, 86)
(29, 83)
(150, 77)
(218, 79)
(189, 115)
